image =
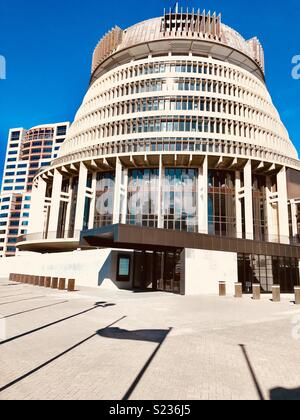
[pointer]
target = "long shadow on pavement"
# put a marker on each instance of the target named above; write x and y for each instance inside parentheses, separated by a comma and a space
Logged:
(252, 373)
(96, 306)
(38, 368)
(34, 309)
(20, 294)
(21, 300)
(153, 336)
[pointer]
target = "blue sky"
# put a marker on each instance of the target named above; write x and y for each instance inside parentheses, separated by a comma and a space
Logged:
(48, 47)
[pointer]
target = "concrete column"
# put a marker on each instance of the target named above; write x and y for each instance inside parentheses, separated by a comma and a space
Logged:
(203, 197)
(68, 215)
(36, 223)
(124, 196)
(238, 206)
(55, 202)
(81, 197)
(294, 218)
(272, 229)
(248, 201)
(93, 201)
(160, 209)
(117, 192)
(284, 231)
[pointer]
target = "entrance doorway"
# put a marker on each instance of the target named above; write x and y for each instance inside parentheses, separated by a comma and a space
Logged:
(157, 271)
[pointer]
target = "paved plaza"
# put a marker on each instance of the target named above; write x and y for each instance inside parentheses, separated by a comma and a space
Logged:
(98, 344)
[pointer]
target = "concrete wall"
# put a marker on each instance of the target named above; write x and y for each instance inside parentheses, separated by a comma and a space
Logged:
(89, 268)
(205, 269)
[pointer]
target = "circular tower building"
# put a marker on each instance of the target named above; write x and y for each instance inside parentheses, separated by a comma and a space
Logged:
(178, 156)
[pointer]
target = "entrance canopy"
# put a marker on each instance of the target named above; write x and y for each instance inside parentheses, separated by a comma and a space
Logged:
(149, 239)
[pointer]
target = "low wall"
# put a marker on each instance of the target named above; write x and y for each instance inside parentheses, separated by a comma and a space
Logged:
(205, 269)
(90, 268)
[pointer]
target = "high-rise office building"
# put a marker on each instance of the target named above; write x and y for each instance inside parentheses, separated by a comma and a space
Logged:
(28, 151)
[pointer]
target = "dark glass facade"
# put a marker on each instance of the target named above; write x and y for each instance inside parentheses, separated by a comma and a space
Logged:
(260, 224)
(221, 203)
(268, 271)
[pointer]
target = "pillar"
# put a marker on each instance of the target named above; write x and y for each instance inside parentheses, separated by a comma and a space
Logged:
(81, 198)
(294, 218)
(93, 201)
(160, 211)
(203, 197)
(124, 196)
(238, 206)
(284, 230)
(272, 222)
(36, 222)
(248, 201)
(117, 192)
(68, 213)
(55, 202)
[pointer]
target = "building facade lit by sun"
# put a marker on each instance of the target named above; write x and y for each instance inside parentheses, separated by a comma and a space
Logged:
(28, 151)
(177, 172)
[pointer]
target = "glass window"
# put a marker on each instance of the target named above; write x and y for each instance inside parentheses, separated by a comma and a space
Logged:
(221, 203)
(180, 199)
(61, 130)
(15, 135)
(104, 199)
(142, 197)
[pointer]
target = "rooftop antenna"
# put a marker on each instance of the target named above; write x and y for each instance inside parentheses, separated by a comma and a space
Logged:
(176, 7)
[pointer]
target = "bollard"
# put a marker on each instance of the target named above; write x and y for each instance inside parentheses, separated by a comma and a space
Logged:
(256, 291)
(48, 282)
(36, 280)
(238, 290)
(54, 283)
(42, 281)
(71, 285)
(276, 293)
(297, 295)
(222, 288)
(31, 280)
(62, 284)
